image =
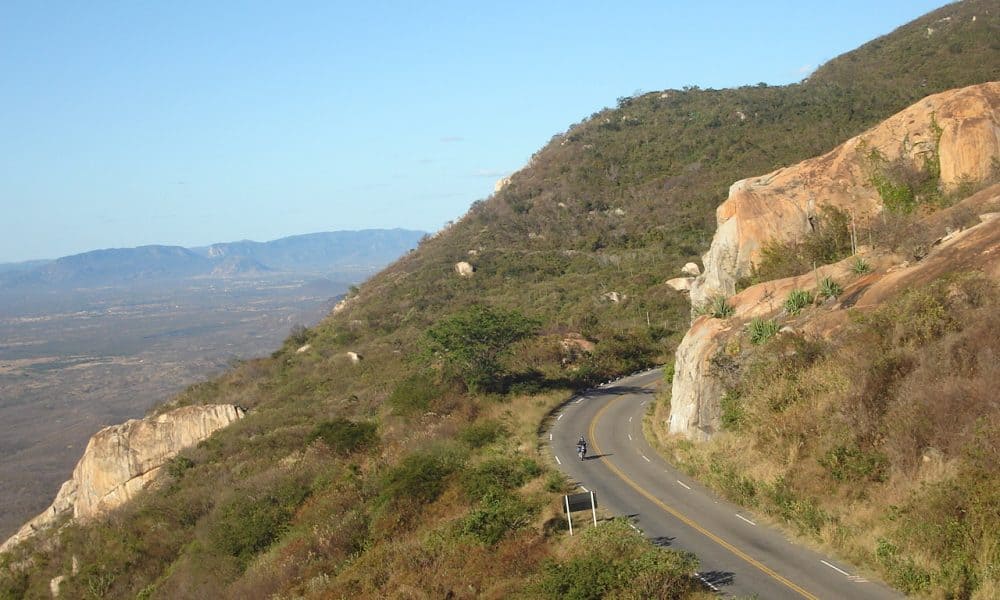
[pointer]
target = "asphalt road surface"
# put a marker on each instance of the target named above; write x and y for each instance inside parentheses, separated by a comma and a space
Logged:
(738, 555)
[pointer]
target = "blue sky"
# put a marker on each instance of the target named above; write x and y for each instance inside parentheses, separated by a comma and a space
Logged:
(130, 123)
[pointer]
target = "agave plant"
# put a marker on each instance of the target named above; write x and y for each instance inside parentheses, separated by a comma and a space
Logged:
(717, 307)
(828, 288)
(797, 300)
(762, 330)
(860, 266)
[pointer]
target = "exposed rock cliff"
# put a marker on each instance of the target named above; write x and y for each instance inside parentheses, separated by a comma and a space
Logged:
(697, 390)
(961, 126)
(121, 460)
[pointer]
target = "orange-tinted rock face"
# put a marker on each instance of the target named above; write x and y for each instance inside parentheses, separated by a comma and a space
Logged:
(696, 391)
(782, 204)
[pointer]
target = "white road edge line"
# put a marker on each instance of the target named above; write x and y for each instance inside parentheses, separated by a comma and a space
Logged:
(841, 571)
(584, 489)
(558, 462)
(550, 437)
(746, 519)
(559, 417)
(630, 437)
(684, 485)
(644, 456)
(630, 419)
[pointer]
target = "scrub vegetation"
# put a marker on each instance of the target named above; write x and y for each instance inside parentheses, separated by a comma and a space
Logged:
(882, 444)
(418, 467)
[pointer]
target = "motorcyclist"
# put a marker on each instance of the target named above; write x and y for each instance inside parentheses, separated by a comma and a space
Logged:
(581, 445)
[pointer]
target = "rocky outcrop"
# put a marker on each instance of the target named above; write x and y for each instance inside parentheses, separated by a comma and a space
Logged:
(697, 389)
(121, 460)
(681, 284)
(694, 401)
(464, 269)
(960, 127)
(785, 204)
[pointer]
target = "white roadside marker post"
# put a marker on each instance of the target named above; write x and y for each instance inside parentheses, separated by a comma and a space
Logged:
(569, 515)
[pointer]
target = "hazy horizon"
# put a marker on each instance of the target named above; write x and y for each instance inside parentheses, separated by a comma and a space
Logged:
(46, 259)
(184, 124)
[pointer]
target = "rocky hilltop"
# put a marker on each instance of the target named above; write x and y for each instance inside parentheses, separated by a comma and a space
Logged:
(121, 460)
(960, 129)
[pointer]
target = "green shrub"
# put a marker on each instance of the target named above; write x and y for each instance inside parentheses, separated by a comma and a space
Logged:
(797, 300)
(828, 288)
(669, 370)
(733, 411)
(556, 483)
(851, 463)
(622, 353)
(953, 518)
(497, 475)
(482, 433)
(717, 307)
(497, 514)
(177, 465)
(785, 503)
(414, 394)
(860, 266)
(740, 489)
(903, 186)
(897, 197)
(420, 477)
(614, 561)
(345, 436)
(13, 582)
(249, 523)
(762, 330)
(903, 572)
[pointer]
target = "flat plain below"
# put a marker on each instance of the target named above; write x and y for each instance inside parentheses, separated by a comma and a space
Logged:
(74, 361)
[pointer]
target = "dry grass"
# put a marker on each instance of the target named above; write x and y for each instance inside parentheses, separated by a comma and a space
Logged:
(892, 433)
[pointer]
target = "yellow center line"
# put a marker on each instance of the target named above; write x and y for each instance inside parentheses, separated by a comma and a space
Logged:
(683, 518)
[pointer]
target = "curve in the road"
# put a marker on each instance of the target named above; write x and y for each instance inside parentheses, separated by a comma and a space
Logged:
(737, 555)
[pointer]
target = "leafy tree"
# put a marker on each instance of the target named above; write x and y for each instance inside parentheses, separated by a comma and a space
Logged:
(474, 341)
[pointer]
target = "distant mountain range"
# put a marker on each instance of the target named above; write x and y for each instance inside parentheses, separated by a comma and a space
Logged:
(338, 254)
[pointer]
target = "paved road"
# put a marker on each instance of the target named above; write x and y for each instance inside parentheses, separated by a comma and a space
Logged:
(738, 555)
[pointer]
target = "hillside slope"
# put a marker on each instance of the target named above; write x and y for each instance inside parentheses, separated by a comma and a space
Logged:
(857, 402)
(377, 459)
